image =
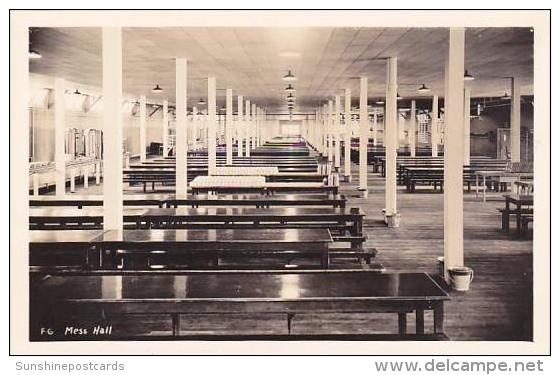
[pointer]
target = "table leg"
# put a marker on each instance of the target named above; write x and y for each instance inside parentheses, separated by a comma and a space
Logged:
(325, 257)
(36, 184)
(419, 321)
(518, 217)
(438, 318)
(86, 177)
(476, 192)
(72, 181)
(402, 323)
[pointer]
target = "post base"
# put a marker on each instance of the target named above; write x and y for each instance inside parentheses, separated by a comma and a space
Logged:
(392, 220)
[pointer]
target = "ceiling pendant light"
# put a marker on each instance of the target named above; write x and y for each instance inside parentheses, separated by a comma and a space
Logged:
(290, 88)
(289, 77)
(423, 88)
(290, 95)
(33, 54)
(399, 97)
(157, 89)
(201, 102)
(379, 101)
(467, 76)
(506, 96)
(77, 92)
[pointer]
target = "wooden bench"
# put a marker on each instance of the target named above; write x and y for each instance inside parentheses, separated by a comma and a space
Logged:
(55, 300)
(507, 213)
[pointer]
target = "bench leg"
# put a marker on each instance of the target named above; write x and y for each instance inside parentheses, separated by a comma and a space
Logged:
(419, 322)
(290, 318)
(402, 323)
(176, 324)
(438, 318)
(505, 221)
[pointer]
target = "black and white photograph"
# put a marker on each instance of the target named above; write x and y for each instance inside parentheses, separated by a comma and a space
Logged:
(280, 176)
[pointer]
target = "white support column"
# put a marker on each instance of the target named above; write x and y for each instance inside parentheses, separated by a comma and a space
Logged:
(195, 128)
(434, 131)
(211, 125)
(247, 127)
(412, 129)
(374, 126)
(181, 128)
(325, 132)
(239, 126)
(229, 126)
(336, 120)
(347, 134)
(515, 121)
(142, 128)
(453, 165)
(364, 131)
(191, 130)
(59, 134)
(112, 129)
(165, 127)
(253, 126)
(391, 141)
(330, 131)
(467, 128)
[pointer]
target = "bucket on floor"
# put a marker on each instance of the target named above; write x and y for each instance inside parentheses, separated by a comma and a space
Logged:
(460, 278)
(441, 267)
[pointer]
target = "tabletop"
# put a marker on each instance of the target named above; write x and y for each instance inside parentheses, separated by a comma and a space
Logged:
(524, 199)
(248, 287)
(63, 237)
(253, 212)
(227, 236)
(76, 212)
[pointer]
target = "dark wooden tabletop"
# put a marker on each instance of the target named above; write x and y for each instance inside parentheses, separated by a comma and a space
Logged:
(253, 212)
(63, 236)
(524, 199)
(67, 212)
(177, 237)
(248, 287)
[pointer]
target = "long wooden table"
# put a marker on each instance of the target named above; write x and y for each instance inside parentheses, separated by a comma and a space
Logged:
(99, 249)
(98, 299)
(66, 218)
(198, 200)
(270, 188)
(215, 243)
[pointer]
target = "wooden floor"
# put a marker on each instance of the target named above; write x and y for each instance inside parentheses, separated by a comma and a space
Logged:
(498, 307)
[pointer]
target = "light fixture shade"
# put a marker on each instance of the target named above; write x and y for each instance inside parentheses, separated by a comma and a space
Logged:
(379, 101)
(423, 88)
(201, 102)
(33, 54)
(290, 88)
(399, 97)
(289, 77)
(467, 76)
(157, 89)
(290, 95)
(77, 92)
(506, 96)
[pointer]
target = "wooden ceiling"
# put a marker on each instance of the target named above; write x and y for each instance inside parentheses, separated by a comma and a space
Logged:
(252, 61)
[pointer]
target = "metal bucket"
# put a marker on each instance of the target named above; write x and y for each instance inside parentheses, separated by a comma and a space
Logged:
(460, 278)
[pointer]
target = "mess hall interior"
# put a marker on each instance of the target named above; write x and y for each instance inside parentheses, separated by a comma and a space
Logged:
(284, 183)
